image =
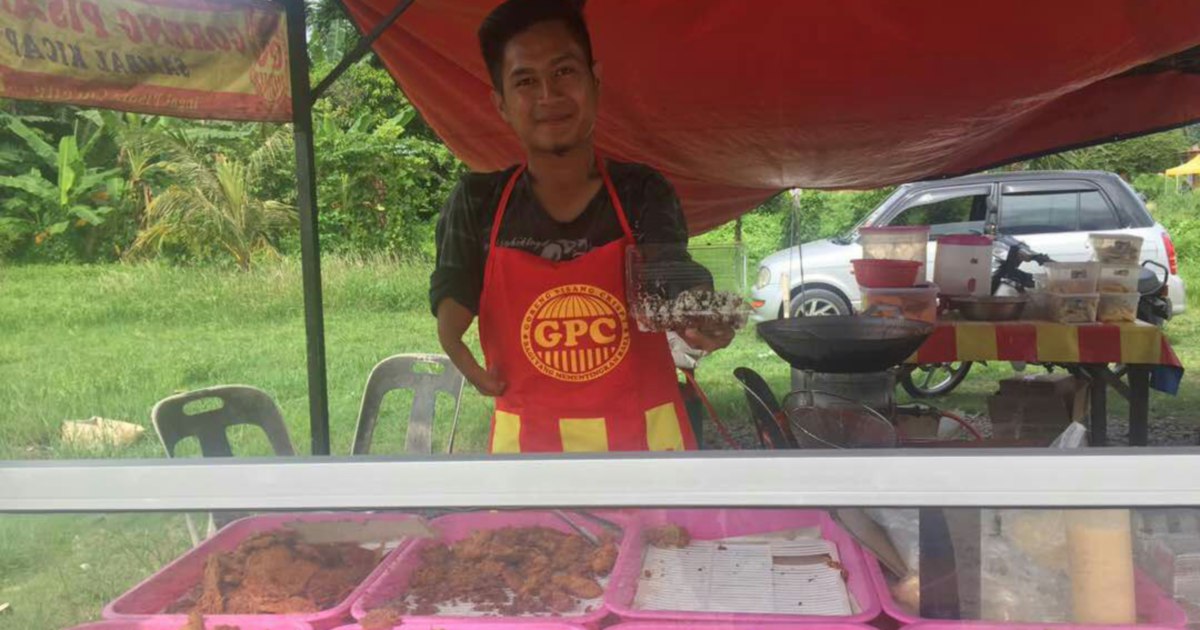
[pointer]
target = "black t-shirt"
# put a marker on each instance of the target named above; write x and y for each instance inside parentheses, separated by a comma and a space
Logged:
(465, 226)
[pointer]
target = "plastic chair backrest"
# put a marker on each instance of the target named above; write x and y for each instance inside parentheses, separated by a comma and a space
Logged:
(425, 375)
(240, 404)
(764, 407)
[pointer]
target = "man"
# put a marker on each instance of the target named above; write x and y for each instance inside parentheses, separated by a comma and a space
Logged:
(538, 252)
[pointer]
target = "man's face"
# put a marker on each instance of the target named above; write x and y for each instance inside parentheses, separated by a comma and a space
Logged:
(549, 92)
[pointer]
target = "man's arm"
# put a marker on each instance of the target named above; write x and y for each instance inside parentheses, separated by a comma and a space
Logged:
(453, 321)
(456, 284)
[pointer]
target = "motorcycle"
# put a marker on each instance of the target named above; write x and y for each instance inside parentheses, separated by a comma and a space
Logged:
(937, 379)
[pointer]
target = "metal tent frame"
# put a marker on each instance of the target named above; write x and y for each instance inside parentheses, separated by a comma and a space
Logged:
(303, 98)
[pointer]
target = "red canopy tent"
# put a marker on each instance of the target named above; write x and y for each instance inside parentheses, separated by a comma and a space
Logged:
(736, 100)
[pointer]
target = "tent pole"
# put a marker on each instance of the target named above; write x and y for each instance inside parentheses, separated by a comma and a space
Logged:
(310, 245)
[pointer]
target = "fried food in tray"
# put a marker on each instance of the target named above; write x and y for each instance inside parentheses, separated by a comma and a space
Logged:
(278, 573)
(513, 571)
(196, 622)
(668, 537)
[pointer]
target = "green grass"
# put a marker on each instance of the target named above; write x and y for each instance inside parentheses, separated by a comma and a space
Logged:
(111, 341)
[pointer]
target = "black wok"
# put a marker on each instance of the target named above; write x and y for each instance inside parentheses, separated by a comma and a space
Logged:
(844, 343)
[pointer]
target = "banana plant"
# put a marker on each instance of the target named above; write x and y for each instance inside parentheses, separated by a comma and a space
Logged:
(63, 192)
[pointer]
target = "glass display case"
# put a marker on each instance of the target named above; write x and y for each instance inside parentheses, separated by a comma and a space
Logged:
(836, 540)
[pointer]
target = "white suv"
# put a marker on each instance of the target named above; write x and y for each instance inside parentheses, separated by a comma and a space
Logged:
(1052, 211)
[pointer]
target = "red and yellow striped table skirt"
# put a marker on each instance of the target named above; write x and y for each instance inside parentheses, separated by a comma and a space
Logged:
(1048, 342)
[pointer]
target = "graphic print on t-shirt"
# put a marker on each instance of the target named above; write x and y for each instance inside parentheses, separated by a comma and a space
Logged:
(555, 250)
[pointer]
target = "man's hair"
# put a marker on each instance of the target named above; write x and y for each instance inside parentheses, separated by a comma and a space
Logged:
(514, 17)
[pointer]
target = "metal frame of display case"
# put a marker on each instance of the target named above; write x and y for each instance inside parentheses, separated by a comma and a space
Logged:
(1026, 478)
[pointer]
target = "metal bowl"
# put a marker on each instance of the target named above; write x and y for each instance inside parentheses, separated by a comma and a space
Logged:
(992, 308)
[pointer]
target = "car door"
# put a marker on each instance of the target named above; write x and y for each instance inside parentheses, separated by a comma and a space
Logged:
(961, 209)
(1055, 218)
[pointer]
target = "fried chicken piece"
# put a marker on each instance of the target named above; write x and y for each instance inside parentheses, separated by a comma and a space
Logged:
(380, 619)
(212, 599)
(668, 536)
(557, 600)
(578, 585)
(603, 559)
(195, 622)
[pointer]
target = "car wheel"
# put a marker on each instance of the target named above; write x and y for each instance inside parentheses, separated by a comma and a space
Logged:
(817, 303)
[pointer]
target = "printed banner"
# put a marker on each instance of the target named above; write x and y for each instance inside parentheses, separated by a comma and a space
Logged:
(223, 59)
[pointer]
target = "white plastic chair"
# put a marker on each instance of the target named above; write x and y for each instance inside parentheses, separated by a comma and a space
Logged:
(425, 375)
(239, 405)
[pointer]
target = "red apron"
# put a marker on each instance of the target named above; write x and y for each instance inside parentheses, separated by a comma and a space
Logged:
(580, 376)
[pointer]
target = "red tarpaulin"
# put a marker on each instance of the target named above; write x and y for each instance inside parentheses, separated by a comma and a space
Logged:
(735, 100)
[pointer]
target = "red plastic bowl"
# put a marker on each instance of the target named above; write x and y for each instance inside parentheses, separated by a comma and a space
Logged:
(885, 274)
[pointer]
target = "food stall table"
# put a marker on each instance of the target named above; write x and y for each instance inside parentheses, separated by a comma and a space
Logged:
(1089, 348)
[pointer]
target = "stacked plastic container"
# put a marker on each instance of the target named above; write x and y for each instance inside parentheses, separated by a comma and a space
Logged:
(1073, 298)
(892, 272)
(1118, 256)
(1103, 289)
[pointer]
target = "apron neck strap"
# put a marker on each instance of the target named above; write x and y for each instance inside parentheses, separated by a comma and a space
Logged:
(516, 176)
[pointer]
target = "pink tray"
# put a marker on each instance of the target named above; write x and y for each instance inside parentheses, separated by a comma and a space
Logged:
(1152, 604)
(992, 625)
(477, 625)
(394, 580)
(173, 581)
(737, 625)
(168, 624)
(709, 524)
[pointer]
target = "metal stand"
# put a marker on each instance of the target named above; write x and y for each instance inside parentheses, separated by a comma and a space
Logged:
(310, 246)
(1137, 392)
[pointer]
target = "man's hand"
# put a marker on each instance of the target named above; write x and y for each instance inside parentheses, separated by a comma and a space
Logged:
(708, 338)
(453, 321)
(488, 382)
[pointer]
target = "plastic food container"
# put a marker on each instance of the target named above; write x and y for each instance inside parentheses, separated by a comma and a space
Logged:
(715, 524)
(659, 285)
(919, 302)
(883, 273)
(244, 623)
(1119, 278)
(1077, 308)
(895, 242)
(172, 582)
(963, 265)
(1082, 277)
(1155, 609)
(1116, 249)
(1117, 307)
(392, 582)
